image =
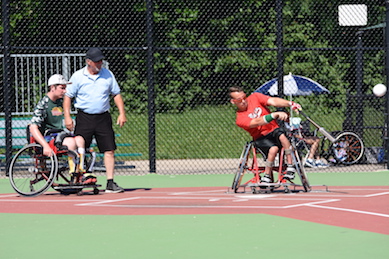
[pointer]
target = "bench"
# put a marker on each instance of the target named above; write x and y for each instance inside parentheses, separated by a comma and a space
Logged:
(19, 139)
(19, 126)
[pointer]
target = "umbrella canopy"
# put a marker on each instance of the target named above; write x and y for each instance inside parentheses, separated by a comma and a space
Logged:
(293, 86)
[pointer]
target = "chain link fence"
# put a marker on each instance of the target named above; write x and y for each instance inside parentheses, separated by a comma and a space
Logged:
(174, 61)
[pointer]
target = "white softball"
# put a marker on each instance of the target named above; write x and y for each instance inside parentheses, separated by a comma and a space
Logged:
(379, 90)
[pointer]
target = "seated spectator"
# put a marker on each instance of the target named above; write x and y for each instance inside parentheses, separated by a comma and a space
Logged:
(304, 132)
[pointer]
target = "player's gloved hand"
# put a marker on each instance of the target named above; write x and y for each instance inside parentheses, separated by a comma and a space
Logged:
(295, 106)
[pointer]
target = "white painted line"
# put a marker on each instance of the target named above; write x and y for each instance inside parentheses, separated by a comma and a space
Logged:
(192, 206)
(310, 203)
(197, 192)
(32, 200)
(9, 195)
(255, 197)
(350, 210)
(240, 200)
(106, 201)
(377, 194)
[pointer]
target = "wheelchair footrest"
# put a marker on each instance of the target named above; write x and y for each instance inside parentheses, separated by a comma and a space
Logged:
(75, 186)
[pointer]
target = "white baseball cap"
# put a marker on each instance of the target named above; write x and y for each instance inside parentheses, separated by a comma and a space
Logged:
(58, 79)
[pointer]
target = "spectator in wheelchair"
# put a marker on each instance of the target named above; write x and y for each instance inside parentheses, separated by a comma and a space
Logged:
(47, 123)
(254, 116)
(302, 130)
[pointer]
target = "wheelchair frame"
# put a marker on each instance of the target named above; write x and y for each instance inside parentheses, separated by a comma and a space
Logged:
(342, 147)
(31, 173)
(249, 163)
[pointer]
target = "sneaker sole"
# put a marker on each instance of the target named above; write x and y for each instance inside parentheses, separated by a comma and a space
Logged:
(288, 177)
(112, 191)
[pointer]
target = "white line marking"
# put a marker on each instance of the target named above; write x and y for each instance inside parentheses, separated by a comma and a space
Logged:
(350, 210)
(197, 192)
(310, 203)
(240, 200)
(377, 194)
(8, 195)
(255, 197)
(194, 206)
(32, 200)
(106, 201)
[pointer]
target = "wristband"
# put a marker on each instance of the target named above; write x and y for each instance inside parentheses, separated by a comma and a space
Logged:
(268, 118)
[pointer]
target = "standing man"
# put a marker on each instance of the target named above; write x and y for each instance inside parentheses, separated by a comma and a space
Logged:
(254, 116)
(92, 87)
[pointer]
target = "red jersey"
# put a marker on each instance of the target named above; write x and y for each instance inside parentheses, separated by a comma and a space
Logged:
(256, 107)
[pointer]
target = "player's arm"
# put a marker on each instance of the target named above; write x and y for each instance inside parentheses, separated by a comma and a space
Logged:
(66, 112)
(122, 113)
(279, 102)
(35, 132)
(268, 118)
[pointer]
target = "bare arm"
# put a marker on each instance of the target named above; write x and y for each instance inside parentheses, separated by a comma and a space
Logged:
(34, 130)
(122, 113)
(261, 120)
(66, 110)
(278, 102)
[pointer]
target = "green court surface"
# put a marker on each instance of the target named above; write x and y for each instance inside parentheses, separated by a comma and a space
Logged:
(189, 236)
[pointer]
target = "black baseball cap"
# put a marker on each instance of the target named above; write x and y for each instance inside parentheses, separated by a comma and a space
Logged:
(94, 54)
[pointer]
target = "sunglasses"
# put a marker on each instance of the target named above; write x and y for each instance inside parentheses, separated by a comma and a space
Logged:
(238, 100)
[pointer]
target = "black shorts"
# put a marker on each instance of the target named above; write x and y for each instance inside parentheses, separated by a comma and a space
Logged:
(270, 140)
(97, 125)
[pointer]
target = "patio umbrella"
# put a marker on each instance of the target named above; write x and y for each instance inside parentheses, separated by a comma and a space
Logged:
(293, 86)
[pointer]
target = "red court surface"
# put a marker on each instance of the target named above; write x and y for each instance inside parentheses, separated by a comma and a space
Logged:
(358, 207)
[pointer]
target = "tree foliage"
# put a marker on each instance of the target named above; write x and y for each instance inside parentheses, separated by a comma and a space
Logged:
(203, 47)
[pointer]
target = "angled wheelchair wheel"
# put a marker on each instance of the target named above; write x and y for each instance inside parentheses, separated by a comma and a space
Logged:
(243, 167)
(30, 172)
(348, 148)
(301, 171)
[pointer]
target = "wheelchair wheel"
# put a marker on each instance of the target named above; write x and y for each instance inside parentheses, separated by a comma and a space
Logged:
(243, 166)
(30, 172)
(348, 148)
(301, 171)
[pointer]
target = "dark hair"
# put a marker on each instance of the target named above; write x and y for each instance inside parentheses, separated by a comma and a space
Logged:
(233, 89)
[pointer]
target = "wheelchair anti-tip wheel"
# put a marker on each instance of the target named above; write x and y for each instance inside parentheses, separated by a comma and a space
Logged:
(30, 172)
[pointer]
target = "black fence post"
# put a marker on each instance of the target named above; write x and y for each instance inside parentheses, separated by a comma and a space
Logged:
(386, 136)
(7, 84)
(150, 83)
(280, 48)
(359, 85)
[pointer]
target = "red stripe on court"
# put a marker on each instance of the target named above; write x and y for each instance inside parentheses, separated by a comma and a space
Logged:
(362, 208)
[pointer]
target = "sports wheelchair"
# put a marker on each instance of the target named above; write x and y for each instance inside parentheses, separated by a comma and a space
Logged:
(31, 173)
(249, 163)
(338, 147)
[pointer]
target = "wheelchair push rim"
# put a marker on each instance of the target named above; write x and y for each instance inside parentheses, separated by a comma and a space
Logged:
(30, 172)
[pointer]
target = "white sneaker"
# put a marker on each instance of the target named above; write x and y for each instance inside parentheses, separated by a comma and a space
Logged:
(266, 178)
(290, 171)
(321, 164)
(311, 163)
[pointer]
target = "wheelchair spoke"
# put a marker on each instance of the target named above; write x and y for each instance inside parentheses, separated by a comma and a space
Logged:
(30, 172)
